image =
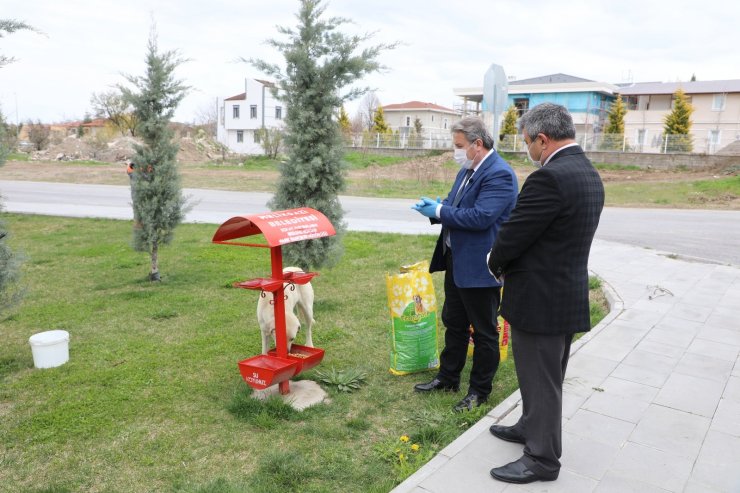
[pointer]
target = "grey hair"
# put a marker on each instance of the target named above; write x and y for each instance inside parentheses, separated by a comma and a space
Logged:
(550, 119)
(473, 129)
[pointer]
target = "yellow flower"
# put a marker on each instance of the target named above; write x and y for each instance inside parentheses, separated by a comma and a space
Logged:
(401, 457)
(415, 447)
(404, 438)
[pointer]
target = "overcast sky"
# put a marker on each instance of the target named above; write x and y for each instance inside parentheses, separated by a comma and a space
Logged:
(88, 44)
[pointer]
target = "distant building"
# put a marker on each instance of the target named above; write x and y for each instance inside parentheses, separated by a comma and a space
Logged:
(240, 116)
(433, 117)
(587, 101)
(715, 120)
(436, 122)
(66, 129)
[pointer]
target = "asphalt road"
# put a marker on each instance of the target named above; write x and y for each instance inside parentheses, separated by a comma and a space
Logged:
(705, 234)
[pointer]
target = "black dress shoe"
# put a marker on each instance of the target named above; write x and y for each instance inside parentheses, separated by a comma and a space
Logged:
(507, 433)
(517, 472)
(469, 402)
(435, 384)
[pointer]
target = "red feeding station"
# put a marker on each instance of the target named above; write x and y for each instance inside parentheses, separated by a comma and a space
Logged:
(279, 228)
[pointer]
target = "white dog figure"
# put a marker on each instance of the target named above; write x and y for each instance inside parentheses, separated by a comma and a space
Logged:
(297, 295)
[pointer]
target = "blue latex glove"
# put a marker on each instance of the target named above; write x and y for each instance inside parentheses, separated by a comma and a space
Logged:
(427, 207)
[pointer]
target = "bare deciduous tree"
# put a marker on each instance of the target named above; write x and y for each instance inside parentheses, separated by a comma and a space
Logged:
(114, 107)
(206, 116)
(367, 108)
(38, 134)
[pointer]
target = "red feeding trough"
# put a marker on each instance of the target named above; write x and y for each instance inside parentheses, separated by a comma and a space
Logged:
(279, 228)
(264, 370)
(306, 357)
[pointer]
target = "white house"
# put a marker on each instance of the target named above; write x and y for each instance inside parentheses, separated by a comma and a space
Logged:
(715, 120)
(240, 116)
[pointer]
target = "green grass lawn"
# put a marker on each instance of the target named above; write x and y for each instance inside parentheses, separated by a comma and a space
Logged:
(152, 400)
(701, 193)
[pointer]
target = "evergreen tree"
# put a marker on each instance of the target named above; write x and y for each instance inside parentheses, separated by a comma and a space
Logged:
(320, 63)
(345, 126)
(10, 272)
(10, 262)
(10, 26)
(509, 125)
(379, 124)
(677, 127)
(418, 126)
(156, 193)
(614, 131)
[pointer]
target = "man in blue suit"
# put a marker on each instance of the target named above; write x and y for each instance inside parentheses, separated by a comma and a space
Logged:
(481, 199)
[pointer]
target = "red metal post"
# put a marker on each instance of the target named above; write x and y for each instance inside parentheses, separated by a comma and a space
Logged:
(281, 338)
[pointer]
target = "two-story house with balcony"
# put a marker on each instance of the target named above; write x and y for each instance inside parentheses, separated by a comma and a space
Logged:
(715, 120)
(242, 115)
(587, 101)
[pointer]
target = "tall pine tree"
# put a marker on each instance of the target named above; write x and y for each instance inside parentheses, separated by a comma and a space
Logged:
(156, 193)
(677, 127)
(10, 261)
(345, 126)
(509, 125)
(614, 130)
(320, 63)
(379, 124)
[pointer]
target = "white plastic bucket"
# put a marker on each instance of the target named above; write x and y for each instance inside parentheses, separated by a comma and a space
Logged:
(50, 348)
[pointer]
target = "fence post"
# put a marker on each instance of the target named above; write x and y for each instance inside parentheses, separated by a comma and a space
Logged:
(377, 140)
(665, 145)
(624, 142)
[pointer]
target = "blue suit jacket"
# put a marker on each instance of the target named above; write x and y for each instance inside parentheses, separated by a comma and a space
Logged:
(486, 203)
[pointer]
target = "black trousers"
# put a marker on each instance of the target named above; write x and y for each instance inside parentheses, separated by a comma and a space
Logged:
(464, 307)
(541, 361)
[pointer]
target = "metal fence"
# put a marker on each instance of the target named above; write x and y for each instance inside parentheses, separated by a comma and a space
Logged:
(658, 144)
(430, 140)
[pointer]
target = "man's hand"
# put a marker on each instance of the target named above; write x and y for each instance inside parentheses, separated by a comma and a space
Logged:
(427, 207)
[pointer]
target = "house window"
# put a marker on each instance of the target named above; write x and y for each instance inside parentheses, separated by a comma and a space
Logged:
(432, 117)
(257, 134)
(253, 111)
(445, 124)
(641, 136)
(631, 102)
(522, 105)
(235, 111)
(718, 102)
(240, 136)
(714, 140)
(278, 112)
(408, 121)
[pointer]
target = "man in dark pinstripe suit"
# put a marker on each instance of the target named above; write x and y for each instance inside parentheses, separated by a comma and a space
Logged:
(542, 252)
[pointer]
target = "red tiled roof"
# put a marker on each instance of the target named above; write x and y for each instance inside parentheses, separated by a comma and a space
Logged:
(241, 96)
(265, 82)
(98, 122)
(416, 105)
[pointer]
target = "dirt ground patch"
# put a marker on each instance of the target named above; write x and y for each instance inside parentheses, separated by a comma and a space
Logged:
(195, 174)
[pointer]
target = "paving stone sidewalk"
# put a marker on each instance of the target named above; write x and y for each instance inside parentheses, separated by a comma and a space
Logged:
(651, 397)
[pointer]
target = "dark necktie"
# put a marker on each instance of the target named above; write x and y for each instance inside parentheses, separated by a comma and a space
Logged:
(455, 201)
(458, 196)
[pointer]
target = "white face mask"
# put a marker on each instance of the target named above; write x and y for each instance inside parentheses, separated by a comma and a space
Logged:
(529, 155)
(461, 157)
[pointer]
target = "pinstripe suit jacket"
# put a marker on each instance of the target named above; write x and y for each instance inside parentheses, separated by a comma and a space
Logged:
(543, 248)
